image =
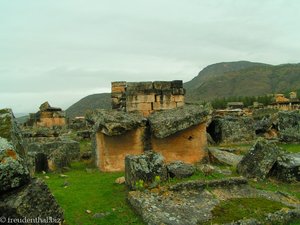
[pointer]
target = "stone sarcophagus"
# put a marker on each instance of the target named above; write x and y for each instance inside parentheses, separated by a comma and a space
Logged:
(178, 134)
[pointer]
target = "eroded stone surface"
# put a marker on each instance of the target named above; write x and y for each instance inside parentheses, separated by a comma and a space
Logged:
(31, 201)
(168, 122)
(224, 157)
(192, 202)
(180, 169)
(112, 122)
(260, 159)
(13, 170)
(144, 167)
(287, 167)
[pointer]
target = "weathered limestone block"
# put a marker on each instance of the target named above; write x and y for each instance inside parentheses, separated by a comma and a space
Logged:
(112, 150)
(177, 84)
(162, 85)
(143, 106)
(111, 122)
(33, 200)
(179, 98)
(289, 126)
(10, 131)
(58, 159)
(223, 157)
(144, 167)
(164, 105)
(139, 86)
(230, 129)
(188, 145)
(13, 170)
(116, 135)
(180, 134)
(147, 98)
(118, 86)
(179, 169)
(165, 123)
(260, 159)
(44, 106)
(178, 91)
(287, 167)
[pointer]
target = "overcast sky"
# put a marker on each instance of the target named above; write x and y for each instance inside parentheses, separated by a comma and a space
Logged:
(64, 50)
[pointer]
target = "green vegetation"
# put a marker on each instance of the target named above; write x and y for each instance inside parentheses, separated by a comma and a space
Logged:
(242, 79)
(221, 103)
(88, 189)
(240, 208)
(293, 148)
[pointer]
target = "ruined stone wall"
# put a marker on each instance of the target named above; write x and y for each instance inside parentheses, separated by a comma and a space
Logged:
(187, 145)
(147, 97)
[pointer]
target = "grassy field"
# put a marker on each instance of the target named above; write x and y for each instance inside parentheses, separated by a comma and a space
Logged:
(86, 188)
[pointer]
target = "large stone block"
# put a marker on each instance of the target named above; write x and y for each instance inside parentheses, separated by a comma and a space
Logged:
(287, 168)
(162, 85)
(179, 98)
(11, 131)
(187, 145)
(139, 86)
(144, 167)
(112, 150)
(177, 84)
(163, 105)
(13, 170)
(32, 201)
(143, 106)
(119, 86)
(260, 159)
(141, 98)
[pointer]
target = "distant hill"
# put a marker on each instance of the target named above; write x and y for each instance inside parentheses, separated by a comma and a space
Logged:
(94, 101)
(224, 79)
(242, 79)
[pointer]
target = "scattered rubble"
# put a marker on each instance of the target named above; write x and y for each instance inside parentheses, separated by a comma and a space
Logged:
(180, 169)
(223, 157)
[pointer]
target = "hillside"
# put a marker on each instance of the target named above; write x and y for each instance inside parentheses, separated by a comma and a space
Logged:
(225, 79)
(247, 79)
(94, 101)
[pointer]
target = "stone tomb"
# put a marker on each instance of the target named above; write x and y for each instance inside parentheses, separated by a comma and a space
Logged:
(47, 116)
(147, 97)
(178, 134)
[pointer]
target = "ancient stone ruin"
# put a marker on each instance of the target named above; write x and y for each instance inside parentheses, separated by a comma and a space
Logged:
(20, 195)
(178, 134)
(147, 97)
(149, 116)
(47, 116)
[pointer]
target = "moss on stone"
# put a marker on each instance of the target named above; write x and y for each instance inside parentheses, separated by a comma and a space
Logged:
(241, 208)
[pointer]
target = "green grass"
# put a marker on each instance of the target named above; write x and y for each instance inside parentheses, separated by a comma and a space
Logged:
(85, 145)
(293, 148)
(94, 191)
(240, 208)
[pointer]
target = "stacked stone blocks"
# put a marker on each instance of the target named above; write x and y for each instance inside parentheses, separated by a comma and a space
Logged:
(147, 97)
